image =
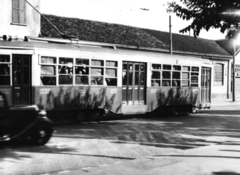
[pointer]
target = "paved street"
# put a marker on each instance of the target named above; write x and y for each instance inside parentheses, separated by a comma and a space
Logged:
(135, 146)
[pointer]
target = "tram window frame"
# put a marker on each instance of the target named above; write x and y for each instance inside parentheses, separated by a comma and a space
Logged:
(194, 74)
(167, 75)
(185, 81)
(50, 78)
(5, 74)
(175, 73)
(156, 75)
(82, 77)
(108, 78)
(65, 70)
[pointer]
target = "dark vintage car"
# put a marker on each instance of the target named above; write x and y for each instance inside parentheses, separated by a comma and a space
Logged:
(26, 122)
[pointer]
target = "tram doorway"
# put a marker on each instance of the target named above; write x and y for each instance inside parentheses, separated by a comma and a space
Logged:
(134, 83)
(205, 86)
(21, 79)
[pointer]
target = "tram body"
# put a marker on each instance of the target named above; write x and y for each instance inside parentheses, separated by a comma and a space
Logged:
(59, 77)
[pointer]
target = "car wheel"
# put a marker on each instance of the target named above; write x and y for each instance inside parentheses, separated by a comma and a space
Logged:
(41, 135)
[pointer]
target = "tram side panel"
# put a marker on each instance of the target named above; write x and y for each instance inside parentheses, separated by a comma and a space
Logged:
(162, 97)
(77, 97)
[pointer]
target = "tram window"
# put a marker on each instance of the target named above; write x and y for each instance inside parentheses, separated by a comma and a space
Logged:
(111, 73)
(175, 83)
(4, 58)
(136, 67)
(111, 81)
(4, 74)
(194, 79)
(176, 75)
(96, 80)
(185, 83)
(142, 78)
(48, 75)
(81, 80)
(96, 71)
(4, 69)
(156, 75)
(185, 75)
(48, 80)
(124, 67)
(176, 79)
(65, 79)
(155, 82)
(167, 67)
(166, 83)
(166, 75)
(111, 64)
(48, 60)
(48, 70)
(65, 70)
(195, 69)
(177, 68)
(64, 60)
(97, 63)
(185, 79)
(80, 61)
(124, 74)
(186, 68)
(156, 66)
(81, 70)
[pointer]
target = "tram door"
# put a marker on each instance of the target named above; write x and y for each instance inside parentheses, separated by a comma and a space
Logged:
(21, 81)
(134, 83)
(206, 85)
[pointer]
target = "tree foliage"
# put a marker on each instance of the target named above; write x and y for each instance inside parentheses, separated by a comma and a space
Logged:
(206, 14)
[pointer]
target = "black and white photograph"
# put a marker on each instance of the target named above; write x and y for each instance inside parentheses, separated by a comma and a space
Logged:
(110, 87)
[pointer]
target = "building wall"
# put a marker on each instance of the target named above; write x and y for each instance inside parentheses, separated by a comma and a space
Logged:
(220, 91)
(32, 27)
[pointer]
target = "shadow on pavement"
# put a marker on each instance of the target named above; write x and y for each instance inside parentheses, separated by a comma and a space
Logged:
(182, 132)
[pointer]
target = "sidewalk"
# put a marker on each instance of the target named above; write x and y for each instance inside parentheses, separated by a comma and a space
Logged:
(209, 160)
(225, 104)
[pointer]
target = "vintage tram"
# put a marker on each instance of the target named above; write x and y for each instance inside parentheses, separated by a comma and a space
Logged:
(63, 75)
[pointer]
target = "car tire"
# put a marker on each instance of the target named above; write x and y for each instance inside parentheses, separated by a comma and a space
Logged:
(41, 135)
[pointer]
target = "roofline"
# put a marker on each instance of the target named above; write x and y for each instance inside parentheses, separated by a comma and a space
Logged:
(115, 46)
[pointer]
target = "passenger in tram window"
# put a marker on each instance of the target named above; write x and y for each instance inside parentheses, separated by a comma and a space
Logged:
(154, 83)
(166, 83)
(62, 69)
(175, 83)
(4, 69)
(124, 78)
(93, 81)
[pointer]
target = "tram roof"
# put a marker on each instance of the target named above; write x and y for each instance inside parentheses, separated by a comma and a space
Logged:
(95, 31)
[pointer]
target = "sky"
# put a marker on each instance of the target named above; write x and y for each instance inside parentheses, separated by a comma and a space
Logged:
(126, 12)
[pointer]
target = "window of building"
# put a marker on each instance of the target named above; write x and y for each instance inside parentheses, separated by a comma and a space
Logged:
(218, 74)
(5, 70)
(18, 12)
